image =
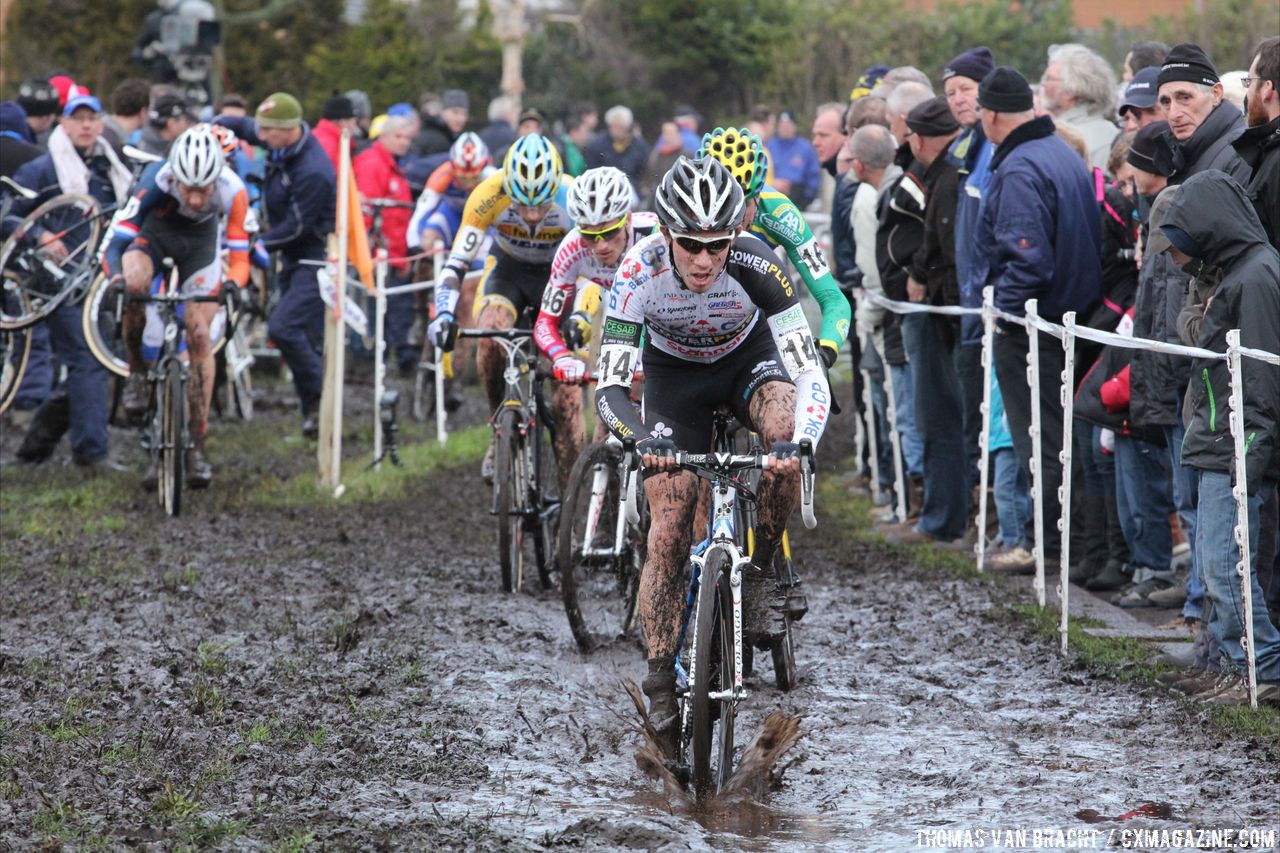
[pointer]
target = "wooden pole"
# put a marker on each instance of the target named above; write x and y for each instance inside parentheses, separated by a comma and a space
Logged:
(329, 450)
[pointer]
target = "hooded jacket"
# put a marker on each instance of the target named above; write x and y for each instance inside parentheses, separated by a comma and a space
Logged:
(1259, 148)
(1216, 215)
(972, 153)
(1041, 226)
(1209, 147)
(1157, 381)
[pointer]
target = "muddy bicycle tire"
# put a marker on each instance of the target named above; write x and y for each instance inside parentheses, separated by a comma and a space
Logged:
(545, 507)
(173, 407)
(15, 349)
(600, 593)
(711, 720)
(62, 215)
(510, 495)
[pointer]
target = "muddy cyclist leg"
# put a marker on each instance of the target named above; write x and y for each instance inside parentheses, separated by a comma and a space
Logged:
(671, 504)
(138, 272)
(772, 410)
(200, 349)
(491, 358)
(566, 408)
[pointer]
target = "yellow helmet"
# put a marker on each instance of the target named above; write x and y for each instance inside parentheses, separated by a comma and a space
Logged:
(742, 153)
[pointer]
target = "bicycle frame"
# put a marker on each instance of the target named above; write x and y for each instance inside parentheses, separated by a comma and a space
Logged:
(595, 509)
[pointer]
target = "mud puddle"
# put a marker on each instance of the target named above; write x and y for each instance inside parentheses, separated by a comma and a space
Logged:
(349, 677)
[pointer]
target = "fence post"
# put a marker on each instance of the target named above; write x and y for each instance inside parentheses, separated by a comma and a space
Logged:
(1037, 477)
(1240, 492)
(1064, 491)
(984, 436)
(379, 351)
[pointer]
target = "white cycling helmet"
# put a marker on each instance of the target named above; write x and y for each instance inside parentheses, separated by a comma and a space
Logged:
(196, 157)
(469, 155)
(599, 195)
(699, 196)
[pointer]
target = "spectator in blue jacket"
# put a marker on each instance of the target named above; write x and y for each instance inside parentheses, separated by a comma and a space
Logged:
(302, 203)
(1041, 226)
(796, 168)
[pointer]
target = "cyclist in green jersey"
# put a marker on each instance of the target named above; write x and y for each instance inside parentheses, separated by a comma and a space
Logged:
(772, 217)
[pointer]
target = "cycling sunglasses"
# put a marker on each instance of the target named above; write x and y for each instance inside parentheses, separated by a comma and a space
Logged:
(604, 233)
(710, 245)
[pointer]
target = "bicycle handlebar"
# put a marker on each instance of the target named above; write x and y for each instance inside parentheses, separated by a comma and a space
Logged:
(18, 189)
(383, 203)
(509, 334)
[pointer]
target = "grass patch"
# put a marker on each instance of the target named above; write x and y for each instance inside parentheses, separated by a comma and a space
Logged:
(295, 842)
(56, 502)
(1121, 658)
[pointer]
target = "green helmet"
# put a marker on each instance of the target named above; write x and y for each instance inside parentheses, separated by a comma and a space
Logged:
(742, 153)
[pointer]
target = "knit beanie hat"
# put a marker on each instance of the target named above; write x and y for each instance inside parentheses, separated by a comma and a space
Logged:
(975, 63)
(1005, 90)
(932, 118)
(360, 103)
(39, 98)
(13, 121)
(1142, 151)
(867, 81)
(1188, 62)
(280, 110)
(337, 108)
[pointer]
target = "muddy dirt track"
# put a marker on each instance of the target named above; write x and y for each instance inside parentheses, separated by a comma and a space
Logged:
(267, 675)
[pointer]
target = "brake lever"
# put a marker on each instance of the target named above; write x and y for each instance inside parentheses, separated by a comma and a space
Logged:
(806, 484)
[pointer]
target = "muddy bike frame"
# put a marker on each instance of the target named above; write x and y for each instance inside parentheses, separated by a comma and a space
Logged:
(721, 468)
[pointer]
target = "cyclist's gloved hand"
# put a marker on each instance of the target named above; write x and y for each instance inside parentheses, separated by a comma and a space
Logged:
(569, 369)
(786, 458)
(232, 295)
(663, 449)
(828, 354)
(577, 333)
(443, 332)
(785, 450)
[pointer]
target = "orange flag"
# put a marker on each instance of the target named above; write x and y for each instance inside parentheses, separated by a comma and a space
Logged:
(358, 254)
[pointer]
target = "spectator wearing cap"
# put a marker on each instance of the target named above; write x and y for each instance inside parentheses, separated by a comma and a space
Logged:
(363, 109)
(79, 161)
(972, 154)
(531, 121)
(1202, 125)
(17, 143)
(1157, 381)
(439, 131)
(168, 117)
(1232, 242)
(39, 99)
(619, 145)
(130, 103)
(379, 175)
(1139, 107)
(931, 346)
(1041, 226)
(337, 115)
(501, 130)
(301, 201)
(1144, 54)
(1078, 88)
(1259, 145)
(797, 171)
(687, 119)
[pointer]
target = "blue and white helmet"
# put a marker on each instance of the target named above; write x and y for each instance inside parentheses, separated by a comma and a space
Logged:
(531, 170)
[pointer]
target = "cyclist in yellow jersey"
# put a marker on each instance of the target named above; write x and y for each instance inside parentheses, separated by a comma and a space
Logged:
(525, 205)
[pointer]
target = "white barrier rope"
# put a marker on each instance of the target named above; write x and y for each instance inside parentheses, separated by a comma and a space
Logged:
(1067, 334)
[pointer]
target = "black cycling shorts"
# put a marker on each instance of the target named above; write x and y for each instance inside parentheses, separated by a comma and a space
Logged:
(193, 246)
(515, 285)
(680, 397)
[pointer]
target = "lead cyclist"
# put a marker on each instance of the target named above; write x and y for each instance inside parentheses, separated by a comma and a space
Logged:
(721, 326)
(600, 204)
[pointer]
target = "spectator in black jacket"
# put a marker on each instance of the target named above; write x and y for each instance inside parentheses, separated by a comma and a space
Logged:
(1211, 223)
(1202, 125)
(1259, 146)
(931, 349)
(17, 145)
(440, 131)
(619, 146)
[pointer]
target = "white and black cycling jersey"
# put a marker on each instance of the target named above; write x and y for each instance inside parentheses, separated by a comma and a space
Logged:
(649, 298)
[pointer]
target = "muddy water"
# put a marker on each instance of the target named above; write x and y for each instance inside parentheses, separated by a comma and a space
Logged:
(353, 675)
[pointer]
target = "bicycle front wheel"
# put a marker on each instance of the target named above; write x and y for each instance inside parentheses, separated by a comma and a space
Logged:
(510, 497)
(711, 719)
(50, 275)
(173, 414)
(598, 582)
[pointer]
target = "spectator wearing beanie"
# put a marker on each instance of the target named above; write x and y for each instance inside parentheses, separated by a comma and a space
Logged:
(17, 145)
(1040, 220)
(1157, 381)
(440, 131)
(337, 115)
(1259, 146)
(932, 279)
(1078, 87)
(301, 197)
(39, 99)
(1248, 299)
(972, 154)
(1202, 125)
